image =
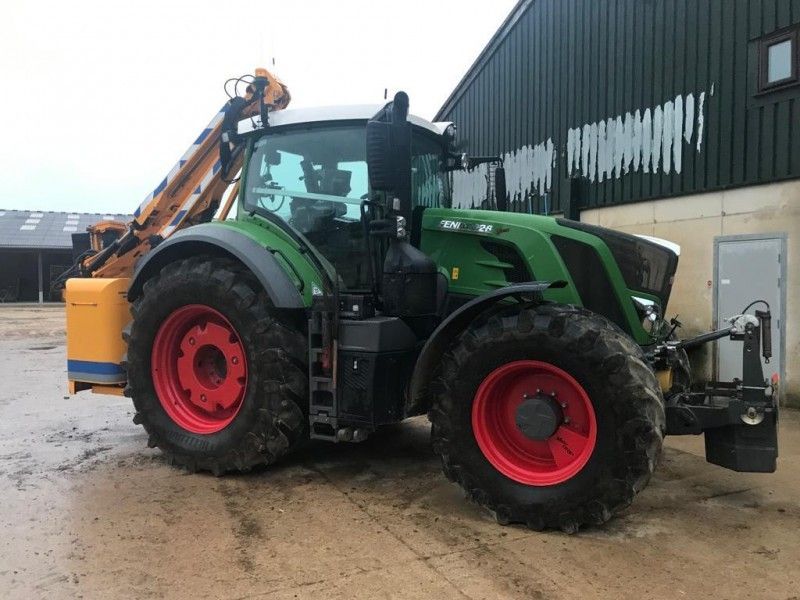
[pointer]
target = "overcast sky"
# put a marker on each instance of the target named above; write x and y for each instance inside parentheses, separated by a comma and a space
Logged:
(101, 98)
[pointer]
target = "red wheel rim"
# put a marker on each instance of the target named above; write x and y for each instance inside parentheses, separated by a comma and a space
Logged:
(530, 461)
(199, 369)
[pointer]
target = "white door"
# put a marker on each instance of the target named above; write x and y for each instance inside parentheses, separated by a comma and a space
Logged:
(748, 269)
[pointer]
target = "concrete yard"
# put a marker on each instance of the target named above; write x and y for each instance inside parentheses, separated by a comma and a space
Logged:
(87, 510)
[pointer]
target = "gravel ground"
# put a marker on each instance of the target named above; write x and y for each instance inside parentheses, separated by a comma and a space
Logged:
(88, 511)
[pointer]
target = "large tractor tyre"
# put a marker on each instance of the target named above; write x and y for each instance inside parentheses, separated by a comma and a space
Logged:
(548, 416)
(217, 377)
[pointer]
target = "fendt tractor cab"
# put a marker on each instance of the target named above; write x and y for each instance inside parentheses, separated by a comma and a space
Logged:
(344, 293)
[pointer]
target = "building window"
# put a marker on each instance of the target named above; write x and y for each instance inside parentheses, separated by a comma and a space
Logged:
(779, 60)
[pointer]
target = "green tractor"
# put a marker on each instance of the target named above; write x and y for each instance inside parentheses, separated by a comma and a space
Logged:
(346, 294)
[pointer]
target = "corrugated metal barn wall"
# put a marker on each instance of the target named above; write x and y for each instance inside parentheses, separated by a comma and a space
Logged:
(639, 99)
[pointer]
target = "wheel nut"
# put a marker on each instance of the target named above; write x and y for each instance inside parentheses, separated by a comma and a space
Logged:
(191, 342)
(563, 405)
(235, 360)
(566, 419)
(203, 397)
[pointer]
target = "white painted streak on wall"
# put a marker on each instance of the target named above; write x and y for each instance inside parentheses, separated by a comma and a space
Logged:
(585, 150)
(666, 135)
(677, 135)
(636, 145)
(573, 150)
(628, 132)
(658, 129)
(470, 187)
(647, 136)
(529, 170)
(621, 149)
(700, 121)
(602, 153)
(688, 127)
(651, 140)
(593, 136)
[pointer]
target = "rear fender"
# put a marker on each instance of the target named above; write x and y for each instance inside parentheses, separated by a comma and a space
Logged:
(220, 241)
(456, 322)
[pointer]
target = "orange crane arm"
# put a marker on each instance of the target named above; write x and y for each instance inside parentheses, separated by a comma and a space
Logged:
(192, 190)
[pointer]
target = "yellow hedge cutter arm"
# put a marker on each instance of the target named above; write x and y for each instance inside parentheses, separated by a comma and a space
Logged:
(191, 192)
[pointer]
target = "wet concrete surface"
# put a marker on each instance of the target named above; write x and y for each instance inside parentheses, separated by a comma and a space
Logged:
(87, 510)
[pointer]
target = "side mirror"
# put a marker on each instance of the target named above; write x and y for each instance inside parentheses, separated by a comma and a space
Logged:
(389, 151)
(500, 196)
(381, 158)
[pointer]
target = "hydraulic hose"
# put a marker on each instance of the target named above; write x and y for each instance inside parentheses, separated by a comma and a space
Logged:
(766, 333)
(704, 338)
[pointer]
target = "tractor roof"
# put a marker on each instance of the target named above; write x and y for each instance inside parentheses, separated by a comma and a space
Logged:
(350, 112)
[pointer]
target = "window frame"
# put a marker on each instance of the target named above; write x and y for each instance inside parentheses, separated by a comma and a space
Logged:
(790, 34)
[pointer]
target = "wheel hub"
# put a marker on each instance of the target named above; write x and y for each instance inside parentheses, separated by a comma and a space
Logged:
(199, 368)
(537, 439)
(538, 417)
(210, 366)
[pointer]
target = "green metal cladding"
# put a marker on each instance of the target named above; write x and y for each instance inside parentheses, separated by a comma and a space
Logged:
(600, 102)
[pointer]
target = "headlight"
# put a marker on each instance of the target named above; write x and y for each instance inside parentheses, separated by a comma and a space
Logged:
(648, 311)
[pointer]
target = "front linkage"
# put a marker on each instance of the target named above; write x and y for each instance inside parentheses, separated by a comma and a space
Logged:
(739, 417)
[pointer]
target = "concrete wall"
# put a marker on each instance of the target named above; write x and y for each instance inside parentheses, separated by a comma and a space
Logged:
(693, 222)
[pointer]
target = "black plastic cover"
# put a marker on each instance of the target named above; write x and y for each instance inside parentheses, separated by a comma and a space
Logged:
(378, 334)
(372, 387)
(645, 266)
(409, 281)
(375, 360)
(591, 279)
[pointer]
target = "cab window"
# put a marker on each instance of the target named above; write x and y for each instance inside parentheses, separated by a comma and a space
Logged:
(316, 179)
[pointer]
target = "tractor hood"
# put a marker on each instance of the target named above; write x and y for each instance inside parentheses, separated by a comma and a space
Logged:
(607, 271)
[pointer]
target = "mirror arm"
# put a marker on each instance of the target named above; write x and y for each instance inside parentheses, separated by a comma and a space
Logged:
(474, 161)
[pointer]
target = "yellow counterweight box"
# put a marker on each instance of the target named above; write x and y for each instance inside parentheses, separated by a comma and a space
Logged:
(97, 312)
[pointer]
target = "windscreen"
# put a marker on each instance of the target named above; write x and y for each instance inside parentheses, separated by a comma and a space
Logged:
(323, 170)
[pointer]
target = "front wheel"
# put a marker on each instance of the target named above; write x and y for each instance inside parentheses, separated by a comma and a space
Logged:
(548, 416)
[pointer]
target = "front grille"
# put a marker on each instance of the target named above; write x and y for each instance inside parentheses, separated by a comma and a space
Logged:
(645, 266)
(591, 279)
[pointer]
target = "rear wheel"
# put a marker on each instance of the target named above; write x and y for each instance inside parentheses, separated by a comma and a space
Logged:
(216, 374)
(548, 416)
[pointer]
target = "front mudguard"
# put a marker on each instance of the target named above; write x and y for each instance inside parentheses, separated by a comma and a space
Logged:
(429, 359)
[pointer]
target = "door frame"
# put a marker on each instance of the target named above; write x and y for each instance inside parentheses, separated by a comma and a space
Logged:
(782, 237)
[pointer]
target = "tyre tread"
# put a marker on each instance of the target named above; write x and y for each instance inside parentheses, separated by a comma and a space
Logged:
(637, 408)
(280, 424)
